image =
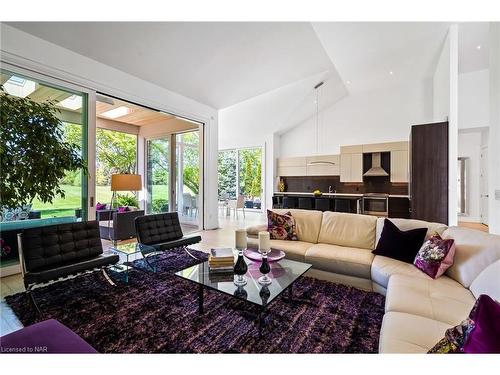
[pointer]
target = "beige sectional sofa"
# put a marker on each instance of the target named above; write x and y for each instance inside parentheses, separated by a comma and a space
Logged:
(418, 308)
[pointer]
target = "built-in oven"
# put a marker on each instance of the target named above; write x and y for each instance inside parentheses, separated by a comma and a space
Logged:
(376, 204)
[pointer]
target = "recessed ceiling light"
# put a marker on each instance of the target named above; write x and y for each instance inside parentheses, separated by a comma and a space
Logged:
(391, 72)
(348, 82)
(478, 47)
(116, 112)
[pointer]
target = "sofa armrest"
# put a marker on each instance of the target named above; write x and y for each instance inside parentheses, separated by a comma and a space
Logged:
(253, 231)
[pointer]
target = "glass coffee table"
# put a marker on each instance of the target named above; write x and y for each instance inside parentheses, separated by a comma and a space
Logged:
(283, 273)
(131, 251)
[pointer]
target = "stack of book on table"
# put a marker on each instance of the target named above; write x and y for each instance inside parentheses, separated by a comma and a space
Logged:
(221, 259)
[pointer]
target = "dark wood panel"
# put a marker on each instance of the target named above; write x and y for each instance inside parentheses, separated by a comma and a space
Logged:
(429, 172)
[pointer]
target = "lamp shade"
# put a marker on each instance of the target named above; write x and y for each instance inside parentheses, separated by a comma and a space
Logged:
(126, 182)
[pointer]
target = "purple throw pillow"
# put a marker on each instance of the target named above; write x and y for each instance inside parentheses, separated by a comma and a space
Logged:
(100, 206)
(397, 244)
(485, 336)
(435, 256)
(281, 227)
(122, 209)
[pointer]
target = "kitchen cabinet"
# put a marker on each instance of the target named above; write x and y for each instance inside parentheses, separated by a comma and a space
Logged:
(320, 165)
(326, 165)
(295, 166)
(351, 167)
(399, 166)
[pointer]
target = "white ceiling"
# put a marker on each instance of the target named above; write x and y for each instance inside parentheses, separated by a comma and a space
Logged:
(218, 64)
(364, 53)
(222, 64)
(470, 36)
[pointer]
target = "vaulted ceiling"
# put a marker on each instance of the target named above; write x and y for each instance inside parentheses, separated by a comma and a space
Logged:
(223, 64)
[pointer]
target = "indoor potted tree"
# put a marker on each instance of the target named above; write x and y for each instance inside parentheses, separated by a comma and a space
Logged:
(34, 156)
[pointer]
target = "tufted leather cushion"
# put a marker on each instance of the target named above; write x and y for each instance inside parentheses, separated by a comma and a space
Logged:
(58, 245)
(159, 228)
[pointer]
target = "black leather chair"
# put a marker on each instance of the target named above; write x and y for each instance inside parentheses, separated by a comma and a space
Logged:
(57, 251)
(115, 226)
(163, 232)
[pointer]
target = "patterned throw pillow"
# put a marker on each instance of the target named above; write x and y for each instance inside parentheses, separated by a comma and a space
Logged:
(100, 206)
(477, 334)
(281, 227)
(435, 256)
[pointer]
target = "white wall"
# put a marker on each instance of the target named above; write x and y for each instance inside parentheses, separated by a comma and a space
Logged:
(474, 99)
(469, 146)
(441, 84)
(24, 50)
(368, 117)
(494, 136)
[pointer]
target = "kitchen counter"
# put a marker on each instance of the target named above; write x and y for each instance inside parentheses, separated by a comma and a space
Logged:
(333, 195)
(328, 195)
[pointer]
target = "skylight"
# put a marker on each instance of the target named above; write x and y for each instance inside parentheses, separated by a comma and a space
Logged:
(116, 112)
(74, 102)
(20, 87)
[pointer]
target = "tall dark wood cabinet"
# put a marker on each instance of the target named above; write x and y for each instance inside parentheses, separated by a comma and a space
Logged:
(429, 172)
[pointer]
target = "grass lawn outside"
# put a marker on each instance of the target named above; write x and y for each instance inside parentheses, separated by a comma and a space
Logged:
(73, 200)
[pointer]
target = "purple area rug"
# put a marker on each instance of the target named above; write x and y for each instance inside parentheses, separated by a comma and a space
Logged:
(157, 313)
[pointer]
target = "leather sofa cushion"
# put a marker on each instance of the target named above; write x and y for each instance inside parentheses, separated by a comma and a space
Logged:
(383, 268)
(184, 241)
(253, 231)
(341, 259)
(407, 333)
(352, 230)
(158, 228)
(408, 224)
(56, 245)
(488, 282)
(294, 250)
(474, 251)
(46, 274)
(442, 299)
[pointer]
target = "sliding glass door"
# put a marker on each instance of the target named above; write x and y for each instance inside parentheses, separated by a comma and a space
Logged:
(69, 202)
(187, 178)
(158, 175)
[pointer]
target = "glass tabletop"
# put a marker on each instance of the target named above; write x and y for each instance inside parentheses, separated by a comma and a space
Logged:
(132, 248)
(283, 274)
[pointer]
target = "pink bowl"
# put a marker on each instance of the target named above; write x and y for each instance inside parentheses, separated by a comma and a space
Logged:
(274, 256)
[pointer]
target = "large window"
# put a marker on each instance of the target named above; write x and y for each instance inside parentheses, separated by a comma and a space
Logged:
(71, 109)
(240, 173)
(157, 175)
(116, 153)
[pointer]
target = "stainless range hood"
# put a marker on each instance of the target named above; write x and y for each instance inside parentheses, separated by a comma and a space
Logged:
(376, 169)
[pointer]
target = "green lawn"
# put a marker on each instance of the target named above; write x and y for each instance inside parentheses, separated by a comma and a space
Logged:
(66, 206)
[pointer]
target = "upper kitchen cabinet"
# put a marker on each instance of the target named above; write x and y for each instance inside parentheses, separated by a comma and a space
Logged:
(295, 166)
(400, 164)
(351, 163)
(327, 165)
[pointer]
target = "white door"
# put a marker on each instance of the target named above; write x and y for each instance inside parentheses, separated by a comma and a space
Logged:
(484, 185)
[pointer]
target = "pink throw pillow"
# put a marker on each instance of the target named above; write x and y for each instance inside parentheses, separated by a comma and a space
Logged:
(435, 256)
(281, 227)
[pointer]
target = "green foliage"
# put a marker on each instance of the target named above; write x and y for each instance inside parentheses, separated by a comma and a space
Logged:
(34, 155)
(116, 153)
(227, 174)
(159, 205)
(125, 200)
(250, 172)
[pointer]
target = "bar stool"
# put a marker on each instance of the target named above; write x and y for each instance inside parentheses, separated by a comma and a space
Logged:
(276, 202)
(342, 205)
(322, 204)
(305, 203)
(289, 202)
